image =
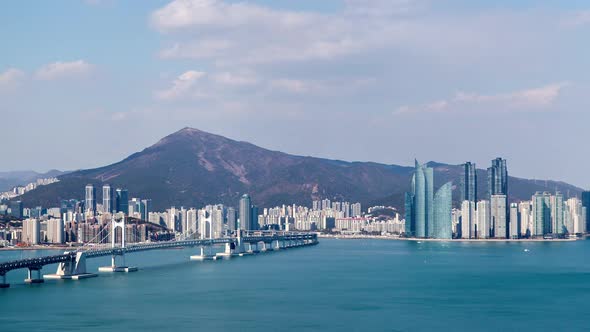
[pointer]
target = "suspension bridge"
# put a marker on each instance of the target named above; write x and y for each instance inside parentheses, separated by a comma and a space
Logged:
(72, 264)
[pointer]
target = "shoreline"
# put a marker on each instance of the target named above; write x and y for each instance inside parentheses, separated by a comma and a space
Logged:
(38, 248)
(377, 237)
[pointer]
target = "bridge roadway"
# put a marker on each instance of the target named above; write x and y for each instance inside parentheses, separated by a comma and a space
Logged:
(36, 263)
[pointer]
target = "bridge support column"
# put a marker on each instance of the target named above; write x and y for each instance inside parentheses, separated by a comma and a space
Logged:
(204, 256)
(117, 268)
(228, 252)
(263, 246)
(74, 269)
(276, 245)
(34, 280)
(3, 283)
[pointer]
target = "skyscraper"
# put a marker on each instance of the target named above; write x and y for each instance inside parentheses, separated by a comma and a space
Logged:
(469, 182)
(498, 178)
(514, 221)
(483, 212)
(443, 227)
(468, 222)
(245, 213)
(420, 204)
(541, 214)
(16, 209)
(122, 201)
(90, 201)
(557, 214)
(107, 199)
(498, 216)
(586, 204)
(146, 208)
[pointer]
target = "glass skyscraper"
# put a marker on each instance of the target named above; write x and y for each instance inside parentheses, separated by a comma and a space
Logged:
(245, 213)
(122, 201)
(469, 182)
(541, 214)
(443, 227)
(498, 178)
(426, 215)
(420, 201)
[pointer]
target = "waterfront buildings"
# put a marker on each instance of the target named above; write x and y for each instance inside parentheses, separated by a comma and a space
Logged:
(498, 216)
(107, 199)
(90, 201)
(469, 182)
(31, 233)
(420, 206)
(122, 201)
(498, 178)
(442, 224)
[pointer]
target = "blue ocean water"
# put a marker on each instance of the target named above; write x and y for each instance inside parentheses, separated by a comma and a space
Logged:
(338, 285)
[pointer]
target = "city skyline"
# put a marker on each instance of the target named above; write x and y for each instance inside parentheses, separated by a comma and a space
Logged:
(220, 80)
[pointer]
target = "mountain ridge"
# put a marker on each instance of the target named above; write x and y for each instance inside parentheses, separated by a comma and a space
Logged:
(192, 167)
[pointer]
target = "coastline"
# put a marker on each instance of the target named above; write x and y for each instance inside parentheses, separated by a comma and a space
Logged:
(379, 237)
(38, 248)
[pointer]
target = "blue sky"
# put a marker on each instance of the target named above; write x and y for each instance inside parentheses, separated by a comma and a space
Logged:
(86, 83)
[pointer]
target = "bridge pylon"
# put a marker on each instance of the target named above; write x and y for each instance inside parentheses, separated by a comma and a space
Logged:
(117, 251)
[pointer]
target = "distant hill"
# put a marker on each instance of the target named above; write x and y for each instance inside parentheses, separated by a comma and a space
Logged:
(9, 180)
(193, 168)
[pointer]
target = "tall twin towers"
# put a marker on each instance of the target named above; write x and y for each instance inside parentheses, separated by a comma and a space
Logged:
(428, 214)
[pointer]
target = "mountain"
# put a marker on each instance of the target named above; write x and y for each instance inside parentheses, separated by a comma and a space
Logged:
(193, 168)
(9, 180)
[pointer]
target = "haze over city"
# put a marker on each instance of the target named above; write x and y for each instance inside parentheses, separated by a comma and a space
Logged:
(84, 84)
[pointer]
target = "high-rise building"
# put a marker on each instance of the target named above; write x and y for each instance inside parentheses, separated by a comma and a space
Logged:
(421, 205)
(355, 208)
(146, 208)
(483, 213)
(469, 182)
(16, 209)
(586, 204)
(31, 231)
(557, 214)
(514, 222)
(245, 213)
(541, 214)
(231, 218)
(498, 216)
(55, 231)
(90, 200)
(498, 178)
(107, 199)
(526, 219)
(443, 226)
(122, 201)
(468, 224)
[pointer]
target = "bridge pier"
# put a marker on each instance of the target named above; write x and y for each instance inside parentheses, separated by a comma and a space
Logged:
(228, 251)
(32, 280)
(3, 284)
(74, 269)
(115, 268)
(204, 256)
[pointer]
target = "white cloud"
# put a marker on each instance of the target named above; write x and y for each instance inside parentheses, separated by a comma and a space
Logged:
(182, 87)
(58, 70)
(186, 13)
(232, 79)
(535, 99)
(11, 78)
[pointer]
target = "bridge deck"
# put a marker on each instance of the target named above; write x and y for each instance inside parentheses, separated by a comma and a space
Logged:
(39, 262)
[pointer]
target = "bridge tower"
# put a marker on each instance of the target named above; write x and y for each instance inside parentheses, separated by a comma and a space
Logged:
(117, 251)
